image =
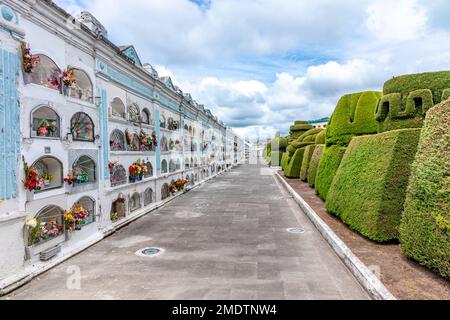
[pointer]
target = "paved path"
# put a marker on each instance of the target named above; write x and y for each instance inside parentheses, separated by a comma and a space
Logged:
(224, 240)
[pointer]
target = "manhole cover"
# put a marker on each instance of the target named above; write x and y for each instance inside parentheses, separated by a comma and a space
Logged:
(296, 230)
(149, 252)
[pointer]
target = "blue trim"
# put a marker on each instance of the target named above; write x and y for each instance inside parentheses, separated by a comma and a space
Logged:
(9, 114)
(158, 148)
(104, 130)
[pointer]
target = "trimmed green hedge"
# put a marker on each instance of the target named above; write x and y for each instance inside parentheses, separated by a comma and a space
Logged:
(309, 133)
(293, 168)
(328, 165)
(320, 138)
(368, 190)
(284, 160)
(299, 122)
(425, 225)
(305, 162)
(407, 98)
(354, 115)
(314, 164)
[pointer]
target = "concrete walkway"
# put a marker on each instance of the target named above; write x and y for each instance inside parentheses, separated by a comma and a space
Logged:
(224, 240)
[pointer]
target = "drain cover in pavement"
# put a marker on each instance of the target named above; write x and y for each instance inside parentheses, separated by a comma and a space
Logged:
(296, 230)
(149, 252)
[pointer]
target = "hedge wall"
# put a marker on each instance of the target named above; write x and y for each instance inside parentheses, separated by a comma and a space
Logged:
(293, 168)
(314, 164)
(328, 165)
(368, 191)
(425, 225)
(320, 138)
(298, 122)
(407, 98)
(305, 162)
(354, 115)
(309, 133)
(284, 160)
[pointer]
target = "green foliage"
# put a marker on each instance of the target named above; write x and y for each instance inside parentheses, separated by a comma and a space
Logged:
(328, 166)
(353, 116)
(305, 162)
(407, 99)
(425, 225)
(300, 144)
(314, 164)
(293, 167)
(309, 133)
(320, 138)
(284, 160)
(299, 122)
(368, 190)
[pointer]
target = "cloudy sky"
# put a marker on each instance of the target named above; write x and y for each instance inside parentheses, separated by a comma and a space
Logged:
(261, 64)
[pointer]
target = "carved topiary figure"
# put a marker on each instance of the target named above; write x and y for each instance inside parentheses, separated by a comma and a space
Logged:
(425, 225)
(407, 98)
(354, 115)
(314, 164)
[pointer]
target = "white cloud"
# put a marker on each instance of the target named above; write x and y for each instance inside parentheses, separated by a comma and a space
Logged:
(396, 20)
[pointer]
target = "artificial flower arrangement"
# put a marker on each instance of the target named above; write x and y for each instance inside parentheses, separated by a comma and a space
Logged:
(46, 128)
(117, 145)
(42, 231)
(47, 178)
(178, 185)
(112, 164)
(154, 140)
(137, 171)
(76, 217)
(32, 180)
(146, 141)
(71, 178)
(68, 77)
(33, 227)
(30, 61)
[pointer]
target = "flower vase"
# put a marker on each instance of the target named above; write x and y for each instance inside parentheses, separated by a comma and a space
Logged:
(78, 226)
(133, 179)
(46, 183)
(30, 196)
(27, 78)
(141, 177)
(68, 235)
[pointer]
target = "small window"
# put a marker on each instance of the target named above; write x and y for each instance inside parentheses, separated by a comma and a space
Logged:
(162, 122)
(49, 170)
(164, 144)
(135, 202)
(118, 175)
(134, 113)
(146, 119)
(165, 192)
(172, 166)
(84, 170)
(149, 172)
(133, 141)
(164, 166)
(50, 225)
(118, 209)
(186, 163)
(82, 127)
(118, 108)
(82, 88)
(88, 206)
(45, 123)
(46, 73)
(117, 141)
(148, 196)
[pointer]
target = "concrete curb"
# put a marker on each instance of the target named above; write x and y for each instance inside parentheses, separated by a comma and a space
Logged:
(14, 282)
(362, 273)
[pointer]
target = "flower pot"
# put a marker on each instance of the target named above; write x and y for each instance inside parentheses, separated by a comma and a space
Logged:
(27, 78)
(46, 183)
(30, 195)
(68, 235)
(78, 226)
(133, 179)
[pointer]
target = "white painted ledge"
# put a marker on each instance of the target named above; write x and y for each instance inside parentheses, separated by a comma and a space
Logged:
(362, 273)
